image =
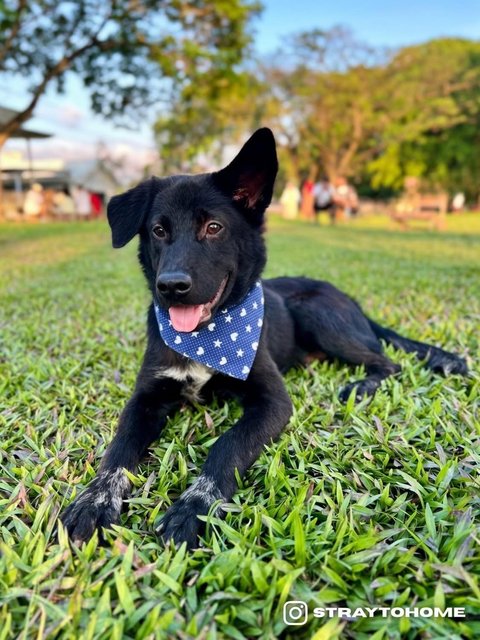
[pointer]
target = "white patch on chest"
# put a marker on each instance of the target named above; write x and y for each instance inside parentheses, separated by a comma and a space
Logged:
(194, 376)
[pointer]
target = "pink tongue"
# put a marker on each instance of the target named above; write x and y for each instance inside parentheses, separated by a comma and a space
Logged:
(186, 318)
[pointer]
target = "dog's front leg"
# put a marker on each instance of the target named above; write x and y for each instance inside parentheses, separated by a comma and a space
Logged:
(267, 409)
(140, 424)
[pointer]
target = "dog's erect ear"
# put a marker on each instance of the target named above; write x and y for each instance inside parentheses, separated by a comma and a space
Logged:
(127, 212)
(249, 178)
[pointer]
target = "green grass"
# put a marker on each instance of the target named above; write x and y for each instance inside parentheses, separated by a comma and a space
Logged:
(375, 504)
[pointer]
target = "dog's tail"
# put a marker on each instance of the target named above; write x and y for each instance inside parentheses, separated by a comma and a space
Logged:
(435, 358)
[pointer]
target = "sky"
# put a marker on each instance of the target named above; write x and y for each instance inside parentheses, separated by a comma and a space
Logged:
(382, 23)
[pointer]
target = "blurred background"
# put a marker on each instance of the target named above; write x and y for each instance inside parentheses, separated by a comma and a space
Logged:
(376, 108)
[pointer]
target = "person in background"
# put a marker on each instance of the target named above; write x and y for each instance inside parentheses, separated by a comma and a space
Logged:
(323, 195)
(34, 202)
(290, 200)
(307, 206)
(63, 204)
(345, 200)
(81, 198)
(458, 202)
(96, 204)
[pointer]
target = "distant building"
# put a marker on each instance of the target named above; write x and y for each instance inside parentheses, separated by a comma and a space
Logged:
(13, 168)
(94, 175)
(18, 171)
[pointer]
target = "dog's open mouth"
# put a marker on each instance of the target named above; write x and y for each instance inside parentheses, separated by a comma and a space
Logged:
(187, 318)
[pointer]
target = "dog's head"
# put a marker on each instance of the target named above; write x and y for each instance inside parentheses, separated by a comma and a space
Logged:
(201, 244)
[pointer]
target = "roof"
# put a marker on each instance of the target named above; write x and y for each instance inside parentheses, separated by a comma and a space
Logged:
(7, 114)
(94, 175)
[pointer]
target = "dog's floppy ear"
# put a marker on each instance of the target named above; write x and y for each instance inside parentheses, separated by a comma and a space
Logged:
(250, 177)
(127, 212)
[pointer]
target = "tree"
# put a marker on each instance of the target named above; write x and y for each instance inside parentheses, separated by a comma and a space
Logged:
(129, 53)
(341, 108)
(318, 100)
(433, 117)
(217, 111)
(328, 98)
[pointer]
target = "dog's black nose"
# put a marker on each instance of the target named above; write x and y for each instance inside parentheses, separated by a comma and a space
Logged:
(174, 284)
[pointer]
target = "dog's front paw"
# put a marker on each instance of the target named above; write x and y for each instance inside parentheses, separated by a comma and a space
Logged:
(181, 523)
(98, 506)
(86, 514)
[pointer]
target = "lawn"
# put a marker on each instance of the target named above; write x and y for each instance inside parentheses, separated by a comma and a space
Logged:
(370, 505)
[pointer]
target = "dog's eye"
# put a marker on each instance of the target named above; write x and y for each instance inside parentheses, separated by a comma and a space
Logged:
(213, 228)
(159, 232)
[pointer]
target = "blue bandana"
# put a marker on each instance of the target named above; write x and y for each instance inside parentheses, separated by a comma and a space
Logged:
(228, 343)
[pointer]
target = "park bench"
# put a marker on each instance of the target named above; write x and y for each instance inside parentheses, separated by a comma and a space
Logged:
(429, 207)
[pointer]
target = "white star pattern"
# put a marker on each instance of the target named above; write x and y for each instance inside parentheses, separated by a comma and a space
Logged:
(226, 347)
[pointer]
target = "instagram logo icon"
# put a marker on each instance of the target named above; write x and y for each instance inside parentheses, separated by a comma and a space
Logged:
(295, 612)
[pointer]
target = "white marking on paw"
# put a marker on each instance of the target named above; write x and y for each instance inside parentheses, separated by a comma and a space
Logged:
(114, 486)
(204, 489)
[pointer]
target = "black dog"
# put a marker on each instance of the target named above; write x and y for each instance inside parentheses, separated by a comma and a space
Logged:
(202, 252)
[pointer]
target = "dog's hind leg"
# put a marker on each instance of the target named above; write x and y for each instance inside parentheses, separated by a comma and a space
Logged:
(377, 366)
(436, 359)
(331, 322)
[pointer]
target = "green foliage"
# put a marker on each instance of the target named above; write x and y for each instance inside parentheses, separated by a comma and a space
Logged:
(209, 114)
(433, 124)
(375, 504)
(341, 108)
(128, 54)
